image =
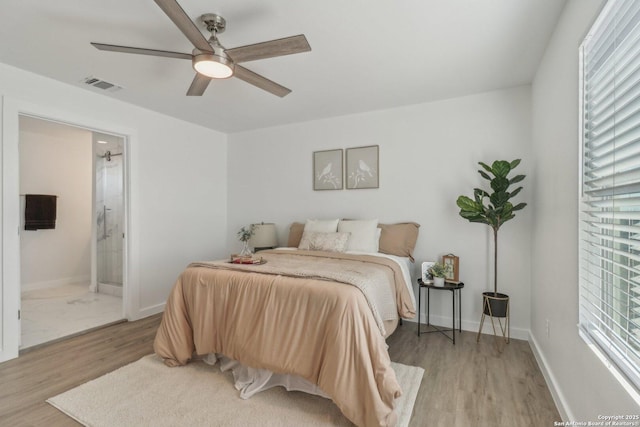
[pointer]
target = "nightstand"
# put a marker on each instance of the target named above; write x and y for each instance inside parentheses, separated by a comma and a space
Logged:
(456, 300)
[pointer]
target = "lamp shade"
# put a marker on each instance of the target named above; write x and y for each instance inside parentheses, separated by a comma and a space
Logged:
(264, 236)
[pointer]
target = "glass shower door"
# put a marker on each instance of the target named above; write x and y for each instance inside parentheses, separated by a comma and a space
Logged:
(109, 214)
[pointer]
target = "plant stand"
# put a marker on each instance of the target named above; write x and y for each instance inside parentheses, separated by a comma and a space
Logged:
(495, 305)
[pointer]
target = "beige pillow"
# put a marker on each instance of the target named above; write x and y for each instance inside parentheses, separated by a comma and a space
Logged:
(399, 239)
(323, 241)
(295, 234)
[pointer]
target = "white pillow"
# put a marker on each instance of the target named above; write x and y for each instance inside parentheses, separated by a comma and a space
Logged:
(364, 234)
(378, 234)
(323, 226)
(321, 241)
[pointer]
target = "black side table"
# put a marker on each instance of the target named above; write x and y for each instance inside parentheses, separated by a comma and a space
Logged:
(456, 296)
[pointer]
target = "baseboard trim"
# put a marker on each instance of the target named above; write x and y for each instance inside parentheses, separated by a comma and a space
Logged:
(148, 311)
(473, 326)
(552, 383)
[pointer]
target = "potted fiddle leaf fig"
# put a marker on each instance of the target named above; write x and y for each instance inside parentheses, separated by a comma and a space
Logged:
(494, 209)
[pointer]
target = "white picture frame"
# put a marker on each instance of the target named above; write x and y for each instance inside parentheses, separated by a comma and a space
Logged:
(425, 270)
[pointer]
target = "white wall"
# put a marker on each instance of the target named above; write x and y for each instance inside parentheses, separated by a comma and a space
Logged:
(583, 386)
(177, 172)
(58, 162)
(428, 156)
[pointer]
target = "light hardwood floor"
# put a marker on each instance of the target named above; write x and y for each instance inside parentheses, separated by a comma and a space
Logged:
(485, 384)
(466, 385)
(26, 382)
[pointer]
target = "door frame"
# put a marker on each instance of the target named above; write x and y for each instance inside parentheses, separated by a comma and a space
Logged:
(10, 250)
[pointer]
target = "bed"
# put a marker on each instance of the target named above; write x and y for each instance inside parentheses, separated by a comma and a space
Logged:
(317, 316)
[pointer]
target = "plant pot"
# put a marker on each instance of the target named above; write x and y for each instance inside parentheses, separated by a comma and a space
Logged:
(495, 304)
(438, 281)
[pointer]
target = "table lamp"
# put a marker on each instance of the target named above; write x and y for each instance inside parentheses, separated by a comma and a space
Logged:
(264, 236)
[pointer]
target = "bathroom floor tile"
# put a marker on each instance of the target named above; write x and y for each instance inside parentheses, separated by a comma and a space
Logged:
(52, 313)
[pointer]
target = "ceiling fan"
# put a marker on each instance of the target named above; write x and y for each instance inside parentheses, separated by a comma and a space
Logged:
(210, 59)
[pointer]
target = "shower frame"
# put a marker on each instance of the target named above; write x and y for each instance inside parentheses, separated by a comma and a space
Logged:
(99, 230)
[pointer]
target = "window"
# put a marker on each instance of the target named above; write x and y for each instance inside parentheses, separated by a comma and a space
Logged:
(609, 259)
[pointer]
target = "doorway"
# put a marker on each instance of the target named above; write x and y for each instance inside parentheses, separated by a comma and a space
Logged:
(71, 274)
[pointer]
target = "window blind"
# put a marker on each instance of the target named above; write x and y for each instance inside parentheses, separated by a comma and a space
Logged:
(609, 261)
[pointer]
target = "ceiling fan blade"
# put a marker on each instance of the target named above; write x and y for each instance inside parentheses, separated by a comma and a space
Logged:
(198, 85)
(260, 82)
(179, 17)
(141, 51)
(270, 49)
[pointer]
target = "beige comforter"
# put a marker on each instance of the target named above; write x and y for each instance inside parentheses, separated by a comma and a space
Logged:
(301, 324)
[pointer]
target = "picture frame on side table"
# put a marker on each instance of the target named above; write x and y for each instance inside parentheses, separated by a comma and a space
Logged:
(327, 170)
(363, 167)
(453, 262)
(425, 270)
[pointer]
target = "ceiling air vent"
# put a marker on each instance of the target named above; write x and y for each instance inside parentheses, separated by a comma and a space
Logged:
(101, 84)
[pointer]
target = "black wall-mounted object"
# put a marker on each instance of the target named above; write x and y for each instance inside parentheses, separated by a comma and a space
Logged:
(40, 212)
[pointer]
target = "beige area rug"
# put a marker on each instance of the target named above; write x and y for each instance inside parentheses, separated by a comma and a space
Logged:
(147, 393)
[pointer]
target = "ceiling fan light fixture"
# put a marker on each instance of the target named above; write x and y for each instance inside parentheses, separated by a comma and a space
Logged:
(209, 58)
(214, 66)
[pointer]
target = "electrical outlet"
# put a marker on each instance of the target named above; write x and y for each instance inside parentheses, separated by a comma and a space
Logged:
(548, 327)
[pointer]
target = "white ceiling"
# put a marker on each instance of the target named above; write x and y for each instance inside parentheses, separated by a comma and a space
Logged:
(366, 54)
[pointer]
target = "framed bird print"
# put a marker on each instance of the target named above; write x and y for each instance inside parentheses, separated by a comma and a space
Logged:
(363, 169)
(327, 170)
